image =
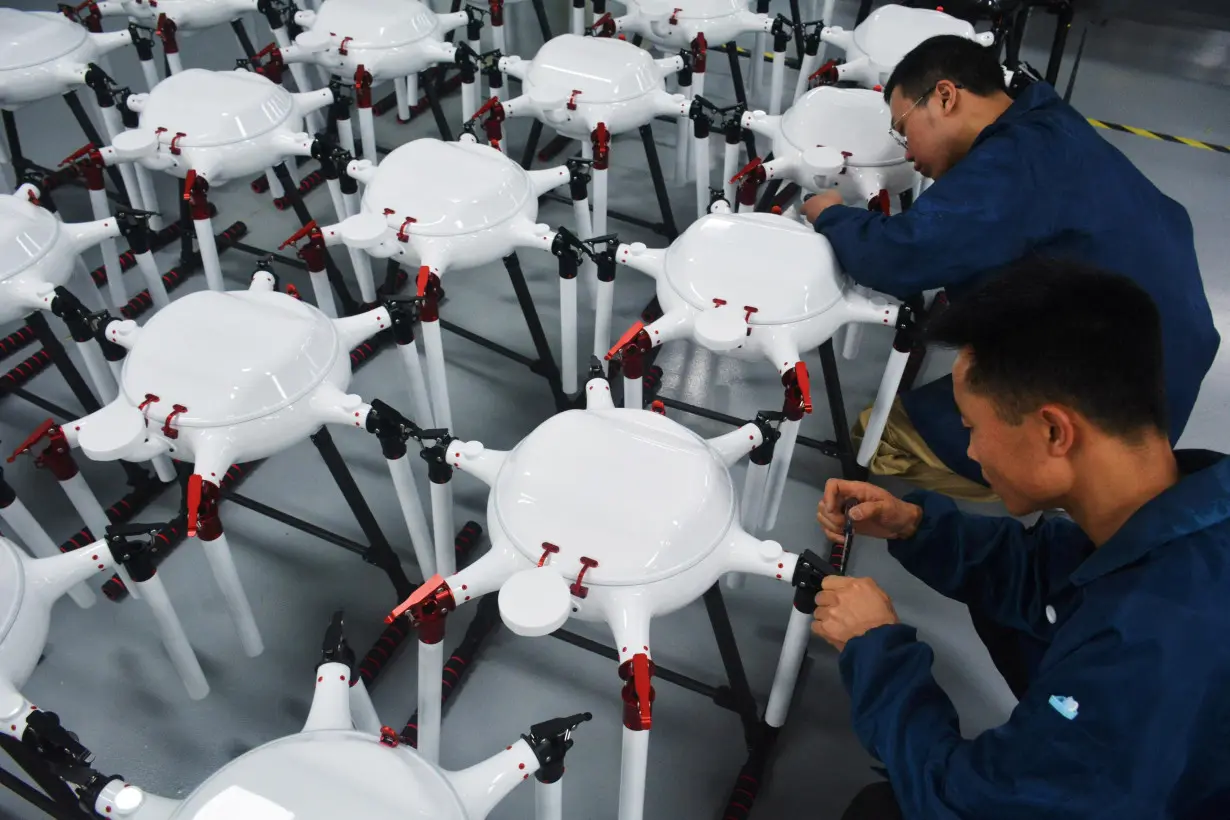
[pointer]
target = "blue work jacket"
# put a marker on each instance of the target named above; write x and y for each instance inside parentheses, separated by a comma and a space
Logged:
(1127, 715)
(1039, 181)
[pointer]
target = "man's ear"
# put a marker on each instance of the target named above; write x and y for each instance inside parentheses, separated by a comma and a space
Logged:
(1058, 424)
(946, 91)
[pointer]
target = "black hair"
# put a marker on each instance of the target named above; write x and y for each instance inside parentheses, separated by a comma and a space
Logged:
(1043, 331)
(964, 62)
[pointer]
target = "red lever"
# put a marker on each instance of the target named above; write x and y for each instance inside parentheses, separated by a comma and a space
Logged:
(804, 382)
(826, 73)
(402, 236)
(189, 183)
(194, 502)
(604, 26)
(497, 12)
(642, 688)
(424, 276)
(700, 50)
(625, 339)
(175, 149)
(388, 737)
(44, 430)
(167, 429)
(572, 99)
(303, 232)
(341, 47)
(363, 87)
(165, 29)
(548, 549)
(747, 169)
(577, 589)
(601, 140)
(674, 19)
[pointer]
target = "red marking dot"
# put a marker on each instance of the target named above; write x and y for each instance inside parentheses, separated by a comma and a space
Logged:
(464, 587)
(608, 388)
(108, 809)
(93, 557)
(100, 566)
(78, 427)
(521, 766)
(341, 677)
(751, 438)
(647, 649)
(625, 649)
(467, 597)
(213, 475)
(508, 748)
(779, 575)
(320, 679)
(591, 387)
(525, 777)
(14, 728)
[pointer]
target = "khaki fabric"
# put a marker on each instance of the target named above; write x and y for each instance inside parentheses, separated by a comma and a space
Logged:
(904, 454)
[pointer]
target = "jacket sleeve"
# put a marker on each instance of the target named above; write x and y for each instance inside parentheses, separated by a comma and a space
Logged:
(993, 564)
(971, 221)
(1123, 735)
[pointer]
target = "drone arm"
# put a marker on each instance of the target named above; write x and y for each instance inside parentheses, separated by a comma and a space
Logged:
(85, 235)
(733, 446)
(651, 262)
(837, 36)
(306, 102)
(473, 458)
(355, 330)
(545, 180)
(482, 786)
(331, 700)
(749, 554)
(106, 43)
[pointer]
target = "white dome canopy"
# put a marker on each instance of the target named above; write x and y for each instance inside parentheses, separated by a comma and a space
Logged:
(230, 356)
(893, 31)
(213, 108)
(33, 38)
(702, 9)
(376, 23)
(27, 232)
(854, 120)
(342, 774)
(12, 586)
(592, 482)
(784, 269)
(603, 69)
(449, 188)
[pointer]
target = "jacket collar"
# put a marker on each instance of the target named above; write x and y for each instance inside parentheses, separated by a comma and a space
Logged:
(1033, 96)
(1200, 500)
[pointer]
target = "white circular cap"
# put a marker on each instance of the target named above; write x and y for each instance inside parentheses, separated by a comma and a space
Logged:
(720, 328)
(535, 602)
(313, 40)
(364, 230)
(135, 141)
(823, 163)
(112, 432)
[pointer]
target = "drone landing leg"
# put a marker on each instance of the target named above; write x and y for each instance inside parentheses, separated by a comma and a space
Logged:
(51, 343)
(545, 366)
(347, 302)
(91, 134)
(18, 518)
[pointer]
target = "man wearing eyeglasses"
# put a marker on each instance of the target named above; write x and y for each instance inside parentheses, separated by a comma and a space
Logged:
(1013, 179)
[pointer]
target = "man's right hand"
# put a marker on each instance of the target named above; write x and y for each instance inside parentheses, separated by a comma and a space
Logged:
(877, 513)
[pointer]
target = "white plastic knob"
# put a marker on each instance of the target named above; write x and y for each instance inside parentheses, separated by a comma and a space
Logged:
(364, 230)
(136, 142)
(136, 102)
(112, 432)
(636, 248)
(822, 164)
(770, 550)
(314, 42)
(548, 98)
(535, 602)
(472, 449)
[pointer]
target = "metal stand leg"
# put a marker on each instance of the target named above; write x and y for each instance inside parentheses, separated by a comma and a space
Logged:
(850, 469)
(379, 552)
(741, 691)
(431, 89)
(544, 25)
(531, 146)
(245, 42)
(545, 366)
(38, 323)
(659, 182)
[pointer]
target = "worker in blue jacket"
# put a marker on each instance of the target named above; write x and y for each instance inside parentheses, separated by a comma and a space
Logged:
(1121, 612)
(1013, 179)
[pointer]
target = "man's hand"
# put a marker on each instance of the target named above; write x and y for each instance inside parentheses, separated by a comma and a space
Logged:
(813, 207)
(878, 512)
(849, 607)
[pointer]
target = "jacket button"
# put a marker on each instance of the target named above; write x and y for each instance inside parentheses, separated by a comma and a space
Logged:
(1050, 614)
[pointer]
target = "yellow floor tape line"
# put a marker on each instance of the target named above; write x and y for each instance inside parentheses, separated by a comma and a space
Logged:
(1154, 135)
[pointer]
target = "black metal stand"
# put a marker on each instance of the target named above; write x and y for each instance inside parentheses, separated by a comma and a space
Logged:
(544, 25)
(545, 364)
(379, 553)
(59, 801)
(245, 42)
(431, 90)
(38, 323)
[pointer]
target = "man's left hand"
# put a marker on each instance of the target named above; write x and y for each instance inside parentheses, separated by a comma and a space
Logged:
(849, 607)
(814, 206)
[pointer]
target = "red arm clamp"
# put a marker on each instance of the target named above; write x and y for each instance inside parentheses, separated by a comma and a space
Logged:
(57, 457)
(604, 26)
(196, 191)
(313, 253)
(497, 12)
(203, 520)
(750, 178)
(700, 53)
(824, 75)
(638, 693)
(493, 126)
(427, 609)
(601, 140)
(363, 87)
(630, 349)
(166, 32)
(798, 392)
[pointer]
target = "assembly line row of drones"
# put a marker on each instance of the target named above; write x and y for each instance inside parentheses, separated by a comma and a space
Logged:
(278, 367)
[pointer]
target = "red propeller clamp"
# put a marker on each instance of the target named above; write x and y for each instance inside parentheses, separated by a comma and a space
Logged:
(56, 457)
(496, 7)
(578, 588)
(824, 75)
(363, 87)
(750, 178)
(600, 138)
(638, 693)
(427, 608)
(493, 125)
(798, 392)
(274, 68)
(196, 193)
(604, 26)
(203, 520)
(92, 19)
(429, 291)
(699, 54)
(314, 252)
(630, 349)
(165, 29)
(572, 99)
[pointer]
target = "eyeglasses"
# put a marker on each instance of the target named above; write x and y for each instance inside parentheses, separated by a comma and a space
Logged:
(896, 133)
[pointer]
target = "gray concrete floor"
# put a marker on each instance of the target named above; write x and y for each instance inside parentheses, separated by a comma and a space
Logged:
(107, 676)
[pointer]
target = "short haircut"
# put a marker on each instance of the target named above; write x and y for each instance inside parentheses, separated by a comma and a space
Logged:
(1044, 331)
(964, 62)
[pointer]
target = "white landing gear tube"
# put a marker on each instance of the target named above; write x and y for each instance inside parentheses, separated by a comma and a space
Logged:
(702, 174)
(549, 800)
(889, 383)
(91, 512)
(794, 649)
(730, 167)
(634, 766)
(172, 632)
(568, 333)
(110, 253)
(433, 345)
(779, 468)
(431, 693)
(776, 80)
(442, 526)
(100, 374)
(403, 106)
(196, 189)
(412, 512)
(420, 399)
(218, 553)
